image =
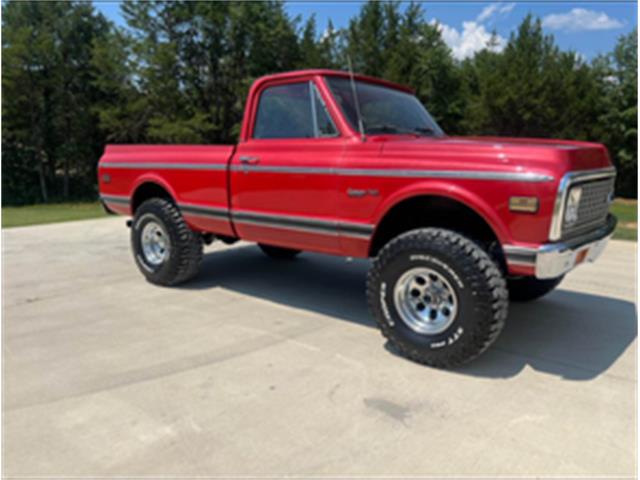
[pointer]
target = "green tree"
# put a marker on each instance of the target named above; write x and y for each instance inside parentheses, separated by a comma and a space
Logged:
(47, 79)
(188, 67)
(530, 89)
(317, 52)
(618, 76)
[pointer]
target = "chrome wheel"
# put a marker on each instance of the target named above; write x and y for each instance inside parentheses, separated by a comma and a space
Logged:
(155, 243)
(425, 300)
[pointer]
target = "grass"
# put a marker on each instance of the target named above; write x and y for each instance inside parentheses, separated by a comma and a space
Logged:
(625, 210)
(51, 213)
(627, 213)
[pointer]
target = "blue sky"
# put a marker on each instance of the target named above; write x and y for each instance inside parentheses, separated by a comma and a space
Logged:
(589, 28)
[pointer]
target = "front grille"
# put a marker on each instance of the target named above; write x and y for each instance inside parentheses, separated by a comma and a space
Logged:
(593, 207)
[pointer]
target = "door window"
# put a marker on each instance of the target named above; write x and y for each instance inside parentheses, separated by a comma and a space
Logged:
(323, 125)
(294, 110)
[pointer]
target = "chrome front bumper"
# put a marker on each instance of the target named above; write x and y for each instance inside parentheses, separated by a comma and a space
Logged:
(552, 260)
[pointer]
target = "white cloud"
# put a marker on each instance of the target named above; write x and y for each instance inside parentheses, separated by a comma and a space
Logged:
(473, 38)
(494, 9)
(580, 19)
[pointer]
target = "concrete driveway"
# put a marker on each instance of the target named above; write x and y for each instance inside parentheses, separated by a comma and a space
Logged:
(267, 367)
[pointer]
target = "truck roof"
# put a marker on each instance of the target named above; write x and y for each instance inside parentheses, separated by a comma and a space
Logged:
(334, 73)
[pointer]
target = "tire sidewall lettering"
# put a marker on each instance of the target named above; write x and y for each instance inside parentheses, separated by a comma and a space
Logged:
(443, 265)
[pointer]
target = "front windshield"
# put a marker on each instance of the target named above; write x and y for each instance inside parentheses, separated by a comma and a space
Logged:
(384, 110)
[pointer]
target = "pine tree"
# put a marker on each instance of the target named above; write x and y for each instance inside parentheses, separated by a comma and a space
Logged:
(48, 87)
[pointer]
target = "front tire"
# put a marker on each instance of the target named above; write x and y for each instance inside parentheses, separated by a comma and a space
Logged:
(525, 289)
(437, 297)
(165, 249)
(279, 253)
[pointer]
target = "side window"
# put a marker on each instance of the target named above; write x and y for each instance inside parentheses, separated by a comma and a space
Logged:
(284, 111)
(294, 110)
(323, 125)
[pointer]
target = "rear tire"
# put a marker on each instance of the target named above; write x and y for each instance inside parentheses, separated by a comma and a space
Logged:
(435, 270)
(165, 249)
(279, 252)
(525, 289)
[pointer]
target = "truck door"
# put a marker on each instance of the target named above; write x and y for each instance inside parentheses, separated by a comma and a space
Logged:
(283, 179)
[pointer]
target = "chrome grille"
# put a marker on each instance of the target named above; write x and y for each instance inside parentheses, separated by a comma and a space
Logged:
(593, 207)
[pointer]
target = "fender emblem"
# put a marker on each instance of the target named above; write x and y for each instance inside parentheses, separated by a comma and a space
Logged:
(356, 193)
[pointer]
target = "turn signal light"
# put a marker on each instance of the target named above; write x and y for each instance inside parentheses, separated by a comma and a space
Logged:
(524, 204)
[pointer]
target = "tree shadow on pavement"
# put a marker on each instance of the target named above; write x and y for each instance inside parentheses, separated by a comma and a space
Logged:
(576, 336)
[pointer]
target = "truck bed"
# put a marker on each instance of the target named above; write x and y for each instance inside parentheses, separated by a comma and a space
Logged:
(195, 175)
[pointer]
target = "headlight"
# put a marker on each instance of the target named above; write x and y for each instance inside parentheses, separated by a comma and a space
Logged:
(573, 202)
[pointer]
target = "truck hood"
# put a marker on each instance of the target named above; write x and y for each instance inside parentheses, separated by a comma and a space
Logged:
(497, 153)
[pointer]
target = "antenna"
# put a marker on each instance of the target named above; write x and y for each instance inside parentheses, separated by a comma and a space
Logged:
(355, 100)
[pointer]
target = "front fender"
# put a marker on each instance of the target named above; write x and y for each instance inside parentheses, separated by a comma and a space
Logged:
(441, 188)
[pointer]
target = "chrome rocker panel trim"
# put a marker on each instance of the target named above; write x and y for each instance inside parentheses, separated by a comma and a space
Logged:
(119, 199)
(552, 260)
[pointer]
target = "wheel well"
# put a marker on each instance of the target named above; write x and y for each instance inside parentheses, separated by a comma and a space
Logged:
(433, 211)
(145, 192)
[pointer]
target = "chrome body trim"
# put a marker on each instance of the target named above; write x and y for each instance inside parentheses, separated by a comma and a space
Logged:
(122, 199)
(283, 169)
(569, 179)
(398, 173)
(552, 260)
(459, 174)
(164, 165)
(348, 172)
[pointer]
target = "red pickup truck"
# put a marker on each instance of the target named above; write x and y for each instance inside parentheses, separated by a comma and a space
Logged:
(352, 165)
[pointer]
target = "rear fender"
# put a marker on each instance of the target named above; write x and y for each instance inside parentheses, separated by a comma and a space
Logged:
(152, 177)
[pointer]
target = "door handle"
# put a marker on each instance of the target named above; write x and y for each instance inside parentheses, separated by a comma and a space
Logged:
(249, 160)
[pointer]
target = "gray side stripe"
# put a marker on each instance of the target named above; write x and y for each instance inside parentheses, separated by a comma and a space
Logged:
(115, 199)
(165, 166)
(312, 223)
(265, 223)
(348, 172)
(285, 222)
(300, 228)
(204, 211)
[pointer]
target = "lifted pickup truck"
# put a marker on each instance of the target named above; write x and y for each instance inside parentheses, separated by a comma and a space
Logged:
(355, 166)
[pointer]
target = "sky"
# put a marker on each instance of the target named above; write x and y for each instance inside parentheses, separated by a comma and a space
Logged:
(589, 28)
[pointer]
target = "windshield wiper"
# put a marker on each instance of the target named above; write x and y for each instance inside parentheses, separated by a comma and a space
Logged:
(386, 128)
(425, 130)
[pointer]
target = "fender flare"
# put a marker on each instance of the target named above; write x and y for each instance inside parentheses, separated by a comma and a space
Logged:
(438, 188)
(151, 177)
